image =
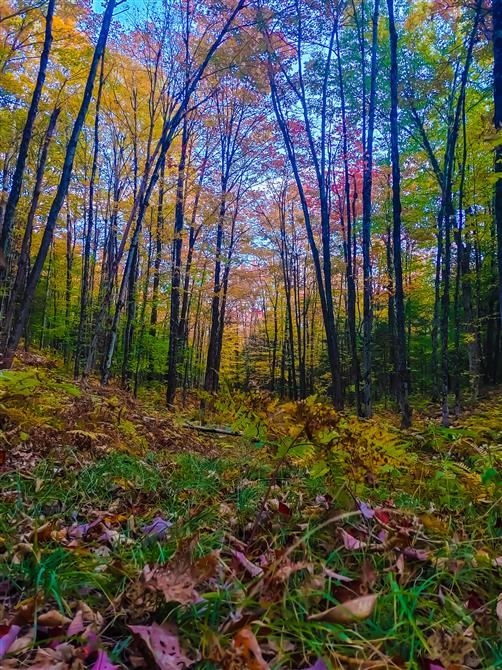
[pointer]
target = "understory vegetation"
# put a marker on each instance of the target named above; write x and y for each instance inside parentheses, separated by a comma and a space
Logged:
(251, 334)
(306, 538)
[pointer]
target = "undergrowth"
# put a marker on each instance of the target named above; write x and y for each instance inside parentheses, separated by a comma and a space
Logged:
(249, 551)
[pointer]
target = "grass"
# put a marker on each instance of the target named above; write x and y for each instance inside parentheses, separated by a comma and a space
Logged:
(439, 609)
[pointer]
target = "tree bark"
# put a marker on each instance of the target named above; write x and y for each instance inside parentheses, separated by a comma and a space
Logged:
(351, 286)
(84, 292)
(497, 122)
(62, 188)
(23, 265)
(177, 245)
(401, 368)
(17, 179)
(366, 224)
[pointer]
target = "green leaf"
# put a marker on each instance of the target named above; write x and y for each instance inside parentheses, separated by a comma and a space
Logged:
(319, 469)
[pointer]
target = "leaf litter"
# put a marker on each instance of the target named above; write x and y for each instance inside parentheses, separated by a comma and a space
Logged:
(145, 555)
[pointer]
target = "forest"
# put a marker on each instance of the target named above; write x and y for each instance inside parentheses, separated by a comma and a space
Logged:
(251, 334)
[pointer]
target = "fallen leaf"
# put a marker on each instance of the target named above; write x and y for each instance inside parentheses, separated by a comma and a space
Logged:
(79, 530)
(382, 516)
(158, 529)
(53, 619)
(103, 662)
(77, 625)
(284, 509)
(350, 542)
(351, 611)
(22, 643)
(164, 646)
(7, 640)
(57, 659)
(417, 554)
(288, 568)
(254, 570)
(498, 609)
(178, 580)
(318, 665)
(433, 523)
(366, 510)
(249, 650)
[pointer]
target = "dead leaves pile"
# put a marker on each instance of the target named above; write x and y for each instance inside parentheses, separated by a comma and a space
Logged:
(61, 416)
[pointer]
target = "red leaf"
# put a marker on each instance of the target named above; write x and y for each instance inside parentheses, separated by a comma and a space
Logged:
(382, 516)
(284, 509)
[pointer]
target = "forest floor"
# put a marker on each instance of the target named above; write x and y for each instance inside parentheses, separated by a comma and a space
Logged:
(312, 540)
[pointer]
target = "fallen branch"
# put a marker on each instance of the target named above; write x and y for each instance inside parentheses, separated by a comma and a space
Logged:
(218, 431)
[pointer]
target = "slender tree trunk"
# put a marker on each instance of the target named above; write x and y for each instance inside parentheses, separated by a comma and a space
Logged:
(351, 286)
(88, 231)
(142, 319)
(286, 275)
(459, 269)
(210, 380)
(401, 368)
(367, 187)
(179, 217)
(17, 179)
(192, 238)
(273, 364)
(322, 266)
(447, 213)
(130, 321)
(62, 188)
(68, 286)
(158, 253)
(226, 278)
(497, 122)
(23, 265)
(46, 297)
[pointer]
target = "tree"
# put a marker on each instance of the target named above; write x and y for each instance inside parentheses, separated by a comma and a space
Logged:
(17, 179)
(61, 191)
(402, 383)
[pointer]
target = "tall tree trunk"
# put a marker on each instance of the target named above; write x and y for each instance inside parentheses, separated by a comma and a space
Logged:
(446, 213)
(68, 286)
(130, 321)
(460, 267)
(223, 306)
(286, 275)
(351, 286)
(17, 179)
(322, 266)
(158, 253)
(192, 238)
(62, 188)
(210, 380)
(273, 364)
(367, 187)
(23, 265)
(179, 217)
(401, 368)
(88, 230)
(497, 122)
(142, 318)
